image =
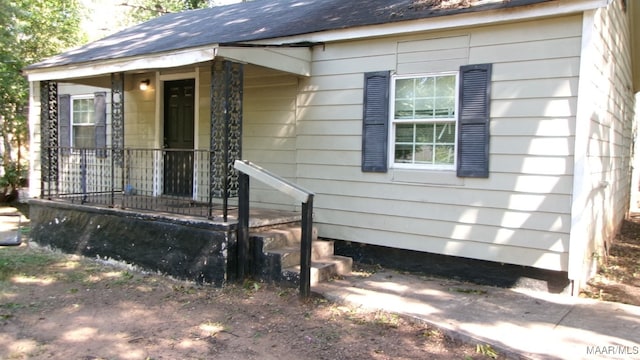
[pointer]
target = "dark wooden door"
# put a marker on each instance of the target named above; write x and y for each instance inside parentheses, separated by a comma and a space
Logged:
(179, 104)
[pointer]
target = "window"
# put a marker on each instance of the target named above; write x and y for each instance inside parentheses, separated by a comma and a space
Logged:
(83, 122)
(432, 125)
(423, 131)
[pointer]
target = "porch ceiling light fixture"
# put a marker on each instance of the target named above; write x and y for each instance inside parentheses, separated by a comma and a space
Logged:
(144, 84)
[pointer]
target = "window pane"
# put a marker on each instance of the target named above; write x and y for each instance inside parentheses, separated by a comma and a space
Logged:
(404, 133)
(424, 108)
(424, 133)
(404, 89)
(446, 86)
(404, 153)
(425, 87)
(444, 154)
(404, 109)
(424, 154)
(82, 118)
(83, 111)
(445, 133)
(445, 107)
(83, 136)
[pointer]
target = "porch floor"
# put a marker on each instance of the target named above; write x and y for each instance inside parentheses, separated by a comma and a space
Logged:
(181, 207)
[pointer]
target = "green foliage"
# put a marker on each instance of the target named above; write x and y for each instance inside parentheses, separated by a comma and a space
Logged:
(143, 10)
(30, 30)
(11, 178)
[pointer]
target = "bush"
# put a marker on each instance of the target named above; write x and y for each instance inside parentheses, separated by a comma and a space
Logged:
(10, 181)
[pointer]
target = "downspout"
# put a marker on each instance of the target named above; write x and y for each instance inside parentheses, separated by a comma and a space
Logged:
(579, 235)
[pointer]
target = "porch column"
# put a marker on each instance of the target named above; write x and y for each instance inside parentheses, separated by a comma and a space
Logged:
(117, 116)
(48, 137)
(226, 129)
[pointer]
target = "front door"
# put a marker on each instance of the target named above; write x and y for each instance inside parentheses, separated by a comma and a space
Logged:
(179, 103)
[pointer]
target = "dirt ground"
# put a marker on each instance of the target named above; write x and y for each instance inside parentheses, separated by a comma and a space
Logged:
(618, 279)
(58, 306)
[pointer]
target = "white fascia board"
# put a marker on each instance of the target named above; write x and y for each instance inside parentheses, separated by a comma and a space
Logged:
(547, 9)
(291, 60)
(143, 62)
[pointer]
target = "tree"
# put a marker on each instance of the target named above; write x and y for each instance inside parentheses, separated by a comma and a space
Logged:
(30, 30)
(143, 10)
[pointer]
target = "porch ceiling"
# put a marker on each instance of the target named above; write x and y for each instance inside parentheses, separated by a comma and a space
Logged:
(295, 60)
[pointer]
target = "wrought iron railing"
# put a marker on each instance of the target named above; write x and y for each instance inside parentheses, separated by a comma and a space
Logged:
(163, 180)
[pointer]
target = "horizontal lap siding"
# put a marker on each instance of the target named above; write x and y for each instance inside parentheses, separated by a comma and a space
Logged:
(520, 214)
(269, 131)
(607, 120)
(140, 116)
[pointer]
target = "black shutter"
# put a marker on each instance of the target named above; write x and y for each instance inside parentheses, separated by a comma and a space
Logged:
(375, 121)
(473, 121)
(64, 120)
(100, 116)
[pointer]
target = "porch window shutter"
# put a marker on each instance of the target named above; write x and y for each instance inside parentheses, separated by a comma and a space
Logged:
(64, 120)
(473, 121)
(100, 114)
(375, 121)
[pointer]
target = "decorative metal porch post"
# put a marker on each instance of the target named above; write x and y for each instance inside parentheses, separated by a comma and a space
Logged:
(48, 136)
(226, 130)
(117, 131)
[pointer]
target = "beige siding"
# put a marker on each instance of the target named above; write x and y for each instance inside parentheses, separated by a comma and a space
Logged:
(140, 132)
(269, 130)
(140, 113)
(35, 140)
(520, 214)
(603, 139)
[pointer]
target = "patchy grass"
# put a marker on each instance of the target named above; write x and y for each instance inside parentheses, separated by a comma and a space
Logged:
(15, 261)
(618, 279)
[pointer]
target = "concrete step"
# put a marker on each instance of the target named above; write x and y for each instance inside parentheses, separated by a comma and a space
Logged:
(321, 270)
(290, 256)
(276, 256)
(281, 237)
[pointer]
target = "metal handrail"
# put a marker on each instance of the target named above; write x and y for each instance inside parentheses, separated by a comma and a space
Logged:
(246, 170)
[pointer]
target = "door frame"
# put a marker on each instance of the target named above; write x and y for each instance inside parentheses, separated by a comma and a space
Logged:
(160, 79)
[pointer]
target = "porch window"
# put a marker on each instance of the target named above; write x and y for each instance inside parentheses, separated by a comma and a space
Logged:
(83, 122)
(424, 121)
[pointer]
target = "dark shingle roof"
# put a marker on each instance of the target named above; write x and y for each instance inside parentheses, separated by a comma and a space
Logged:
(258, 20)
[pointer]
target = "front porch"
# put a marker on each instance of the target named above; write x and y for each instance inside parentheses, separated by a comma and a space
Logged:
(152, 180)
(187, 247)
(95, 205)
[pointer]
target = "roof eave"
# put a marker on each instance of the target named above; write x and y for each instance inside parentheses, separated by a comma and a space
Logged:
(296, 60)
(468, 19)
(293, 60)
(100, 67)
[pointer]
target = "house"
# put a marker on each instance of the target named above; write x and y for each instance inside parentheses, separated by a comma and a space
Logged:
(493, 130)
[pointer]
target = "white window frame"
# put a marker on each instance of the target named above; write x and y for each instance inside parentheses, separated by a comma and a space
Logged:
(72, 124)
(393, 121)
